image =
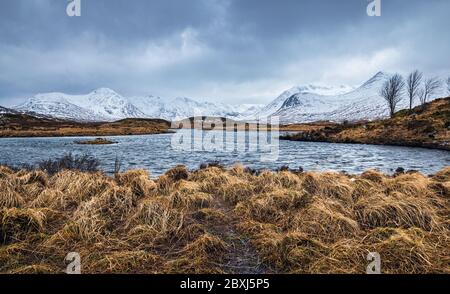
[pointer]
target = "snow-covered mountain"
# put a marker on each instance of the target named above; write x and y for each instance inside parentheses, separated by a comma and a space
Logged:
(308, 104)
(296, 105)
(287, 98)
(181, 108)
(100, 105)
(106, 105)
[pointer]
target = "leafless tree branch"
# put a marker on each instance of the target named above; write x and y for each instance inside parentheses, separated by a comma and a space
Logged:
(413, 84)
(431, 86)
(392, 92)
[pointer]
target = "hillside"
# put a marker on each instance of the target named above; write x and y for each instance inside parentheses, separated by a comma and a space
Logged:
(427, 126)
(4, 110)
(312, 103)
(24, 125)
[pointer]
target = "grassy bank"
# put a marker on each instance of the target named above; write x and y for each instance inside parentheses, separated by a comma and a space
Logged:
(22, 125)
(424, 126)
(224, 221)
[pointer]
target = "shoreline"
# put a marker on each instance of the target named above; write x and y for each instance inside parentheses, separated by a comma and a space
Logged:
(84, 135)
(426, 126)
(24, 126)
(429, 146)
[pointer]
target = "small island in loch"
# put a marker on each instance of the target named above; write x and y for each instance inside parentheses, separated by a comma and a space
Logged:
(96, 141)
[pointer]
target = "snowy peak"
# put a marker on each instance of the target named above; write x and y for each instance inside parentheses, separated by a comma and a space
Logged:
(322, 90)
(316, 103)
(104, 92)
(300, 96)
(100, 105)
(105, 104)
(56, 106)
(378, 78)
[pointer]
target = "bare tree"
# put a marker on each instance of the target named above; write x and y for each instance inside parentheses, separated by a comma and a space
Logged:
(392, 92)
(421, 94)
(431, 86)
(448, 86)
(412, 85)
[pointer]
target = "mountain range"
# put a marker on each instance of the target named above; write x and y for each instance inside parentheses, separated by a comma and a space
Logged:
(106, 105)
(296, 105)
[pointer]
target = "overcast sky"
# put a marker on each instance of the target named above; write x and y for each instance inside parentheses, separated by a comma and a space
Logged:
(234, 51)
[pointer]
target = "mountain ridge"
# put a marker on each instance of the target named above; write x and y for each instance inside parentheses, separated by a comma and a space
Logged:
(299, 104)
(104, 104)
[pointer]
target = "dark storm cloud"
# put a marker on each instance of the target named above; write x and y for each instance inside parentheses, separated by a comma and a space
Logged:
(229, 50)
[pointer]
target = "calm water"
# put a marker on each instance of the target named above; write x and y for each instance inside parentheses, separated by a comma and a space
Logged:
(154, 152)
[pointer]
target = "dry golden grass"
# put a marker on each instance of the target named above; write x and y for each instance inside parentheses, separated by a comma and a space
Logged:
(23, 125)
(193, 222)
(423, 126)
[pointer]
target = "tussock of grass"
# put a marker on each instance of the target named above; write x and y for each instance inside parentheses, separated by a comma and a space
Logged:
(373, 176)
(50, 198)
(332, 185)
(192, 201)
(326, 219)
(138, 180)
(16, 223)
(184, 222)
(5, 171)
(443, 175)
(206, 245)
(9, 198)
(235, 190)
(398, 211)
(177, 173)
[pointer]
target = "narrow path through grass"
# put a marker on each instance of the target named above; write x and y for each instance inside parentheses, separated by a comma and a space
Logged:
(241, 257)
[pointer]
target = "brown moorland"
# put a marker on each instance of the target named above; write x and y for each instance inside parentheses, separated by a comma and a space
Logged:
(424, 126)
(23, 125)
(215, 220)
